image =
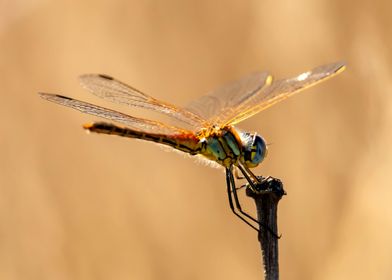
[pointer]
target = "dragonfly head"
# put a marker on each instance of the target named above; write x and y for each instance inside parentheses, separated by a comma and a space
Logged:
(255, 150)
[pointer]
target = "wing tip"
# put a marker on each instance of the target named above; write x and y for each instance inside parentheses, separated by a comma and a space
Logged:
(95, 75)
(106, 77)
(329, 70)
(340, 67)
(43, 94)
(51, 96)
(335, 67)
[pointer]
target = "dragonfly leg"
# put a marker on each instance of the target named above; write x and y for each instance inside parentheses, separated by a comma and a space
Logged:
(254, 188)
(232, 192)
(254, 177)
(239, 188)
(236, 200)
(237, 175)
(252, 183)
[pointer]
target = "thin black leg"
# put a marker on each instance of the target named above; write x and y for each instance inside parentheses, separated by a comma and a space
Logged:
(236, 200)
(246, 172)
(249, 172)
(254, 188)
(251, 183)
(229, 194)
(236, 175)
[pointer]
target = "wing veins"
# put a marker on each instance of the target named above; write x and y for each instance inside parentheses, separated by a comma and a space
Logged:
(118, 92)
(282, 89)
(144, 125)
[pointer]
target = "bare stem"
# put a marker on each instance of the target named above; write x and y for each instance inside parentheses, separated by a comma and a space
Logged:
(267, 196)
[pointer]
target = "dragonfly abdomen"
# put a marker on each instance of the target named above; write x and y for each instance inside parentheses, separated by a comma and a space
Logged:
(185, 144)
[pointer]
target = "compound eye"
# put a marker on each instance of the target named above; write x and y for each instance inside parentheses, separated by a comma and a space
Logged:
(256, 152)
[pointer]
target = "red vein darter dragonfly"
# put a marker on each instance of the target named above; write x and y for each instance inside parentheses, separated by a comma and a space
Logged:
(204, 128)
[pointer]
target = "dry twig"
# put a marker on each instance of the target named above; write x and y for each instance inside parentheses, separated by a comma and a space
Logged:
(268, 194)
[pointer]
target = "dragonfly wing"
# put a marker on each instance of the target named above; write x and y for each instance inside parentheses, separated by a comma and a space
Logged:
(223, 102)
(142, 125)
(280, 90)
(115, 91)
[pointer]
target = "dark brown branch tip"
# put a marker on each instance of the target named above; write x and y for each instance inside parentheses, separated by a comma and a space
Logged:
(267, 193)
(267, 185)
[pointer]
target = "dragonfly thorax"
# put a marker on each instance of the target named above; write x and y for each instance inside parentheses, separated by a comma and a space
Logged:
(227, 147)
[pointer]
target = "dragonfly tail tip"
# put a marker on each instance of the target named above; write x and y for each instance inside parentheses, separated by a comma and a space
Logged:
(88, 126)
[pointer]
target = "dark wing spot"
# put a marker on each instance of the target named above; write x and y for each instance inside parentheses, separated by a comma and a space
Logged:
(64, 97)
(105, 76)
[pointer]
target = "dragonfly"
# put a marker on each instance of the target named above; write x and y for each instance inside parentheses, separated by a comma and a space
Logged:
(205, 127)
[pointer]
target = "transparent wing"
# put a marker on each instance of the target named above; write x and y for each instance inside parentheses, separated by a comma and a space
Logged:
(276, 92)
(223, 102)
(115, 91)
(142, 125)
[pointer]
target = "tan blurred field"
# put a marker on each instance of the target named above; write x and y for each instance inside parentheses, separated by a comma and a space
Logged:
(79, 206)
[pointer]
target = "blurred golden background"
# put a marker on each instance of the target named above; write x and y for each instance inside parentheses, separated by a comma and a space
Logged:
(79, 206)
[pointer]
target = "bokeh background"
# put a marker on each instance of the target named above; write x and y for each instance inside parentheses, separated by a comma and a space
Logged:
(79, 206)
